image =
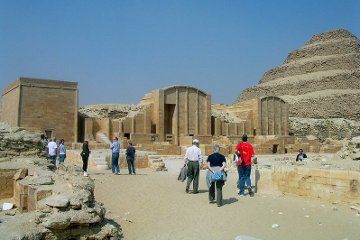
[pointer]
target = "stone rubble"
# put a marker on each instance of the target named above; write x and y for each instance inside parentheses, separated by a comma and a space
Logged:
(63, 205)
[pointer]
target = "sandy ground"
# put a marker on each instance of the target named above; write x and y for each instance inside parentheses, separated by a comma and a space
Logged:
(154, 205)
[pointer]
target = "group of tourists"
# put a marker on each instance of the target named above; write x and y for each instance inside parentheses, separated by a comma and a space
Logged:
(130, 157)
(54, 151)
(216, 163)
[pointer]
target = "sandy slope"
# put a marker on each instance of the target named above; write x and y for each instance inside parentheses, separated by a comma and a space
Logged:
(153, 205)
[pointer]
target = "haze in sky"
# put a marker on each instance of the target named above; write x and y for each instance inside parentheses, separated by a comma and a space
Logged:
(120, 50)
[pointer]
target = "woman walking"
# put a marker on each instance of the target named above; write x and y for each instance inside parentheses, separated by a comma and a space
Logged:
(216, 176)
(62, 151)
(85, 157)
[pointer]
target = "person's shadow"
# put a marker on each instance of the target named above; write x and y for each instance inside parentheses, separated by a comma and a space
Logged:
(257, 178)
(229, 201)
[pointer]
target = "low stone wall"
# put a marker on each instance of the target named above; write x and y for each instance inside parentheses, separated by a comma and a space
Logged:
(6, 183)
(328, 185)
(140, 161)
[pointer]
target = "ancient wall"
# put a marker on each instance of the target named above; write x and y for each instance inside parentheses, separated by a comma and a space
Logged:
(45, 105)
(329, 185)
(273, 116)
(7, 183)
(10, 104)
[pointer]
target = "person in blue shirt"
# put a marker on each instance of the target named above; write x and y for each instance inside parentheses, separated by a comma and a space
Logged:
(115, 147)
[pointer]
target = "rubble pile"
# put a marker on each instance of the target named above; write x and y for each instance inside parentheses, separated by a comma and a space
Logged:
(18, 142)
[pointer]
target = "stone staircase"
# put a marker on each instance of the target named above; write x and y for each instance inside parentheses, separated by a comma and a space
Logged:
(99, 158)
(102, 138)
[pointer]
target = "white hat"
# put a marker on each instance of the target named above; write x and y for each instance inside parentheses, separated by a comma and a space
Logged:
(195, 141)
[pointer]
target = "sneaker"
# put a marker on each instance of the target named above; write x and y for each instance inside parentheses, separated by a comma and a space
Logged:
(241, 194)
(85, 174)
(117, 173)
(251, 193)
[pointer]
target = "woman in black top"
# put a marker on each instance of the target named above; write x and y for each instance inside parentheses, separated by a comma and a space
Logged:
(216, 162)
(85, 157)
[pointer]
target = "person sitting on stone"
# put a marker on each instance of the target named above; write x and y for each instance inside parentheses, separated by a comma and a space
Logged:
(301, 155)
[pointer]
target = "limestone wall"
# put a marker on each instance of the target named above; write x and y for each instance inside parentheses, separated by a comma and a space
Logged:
(10, 104)
(327, 185)
(7, 183)
(43, 106)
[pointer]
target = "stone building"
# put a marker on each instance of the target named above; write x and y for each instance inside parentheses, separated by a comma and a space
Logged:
(40, 105)
(174, 116)
(165, 120)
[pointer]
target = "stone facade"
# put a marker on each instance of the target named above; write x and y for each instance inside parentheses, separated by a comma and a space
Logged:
(46, 106)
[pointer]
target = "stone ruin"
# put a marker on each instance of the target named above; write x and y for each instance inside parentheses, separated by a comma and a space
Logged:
(48, 205)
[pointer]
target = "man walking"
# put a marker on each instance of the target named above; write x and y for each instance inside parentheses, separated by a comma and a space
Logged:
(130, 158)
(52, 151)
(115, 147)
(245, 152)
(192, 158)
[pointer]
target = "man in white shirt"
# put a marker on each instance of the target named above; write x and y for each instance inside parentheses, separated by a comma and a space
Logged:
(192, 158)
(52, 151)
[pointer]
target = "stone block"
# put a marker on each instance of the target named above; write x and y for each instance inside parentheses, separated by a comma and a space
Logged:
(43, 193)
(20, 174)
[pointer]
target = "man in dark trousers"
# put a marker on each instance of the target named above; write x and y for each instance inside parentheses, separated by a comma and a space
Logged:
(130, 158)
(192, 158)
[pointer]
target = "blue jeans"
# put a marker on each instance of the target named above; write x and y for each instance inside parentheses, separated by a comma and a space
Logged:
(115, 163)
(62, 158)
(53, 161)
(244, 176)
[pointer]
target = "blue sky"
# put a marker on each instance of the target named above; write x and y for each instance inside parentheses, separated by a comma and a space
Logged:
(119, 50)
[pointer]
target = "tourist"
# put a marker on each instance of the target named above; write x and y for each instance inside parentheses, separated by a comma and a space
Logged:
(130, 158)
(192, 158)
(301, 155)
(62, 151)
(115, 147)
(44, 142)
(52, 151)
(216, 163)
(43, 145)
(85, 157)
(245, 152)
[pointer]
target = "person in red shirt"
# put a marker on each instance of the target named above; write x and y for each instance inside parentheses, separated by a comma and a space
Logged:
(245, 152)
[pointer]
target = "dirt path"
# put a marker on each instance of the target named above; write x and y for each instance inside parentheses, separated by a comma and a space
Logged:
(154, 205)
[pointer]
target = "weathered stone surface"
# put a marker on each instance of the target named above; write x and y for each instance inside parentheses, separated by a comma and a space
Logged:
(336, 128)
(112, 111)
(156, 163)
(83, 217)
(80, 197)
(21, 174)
(59, 201)
(18, 142)
(355, 156)
(59, 220)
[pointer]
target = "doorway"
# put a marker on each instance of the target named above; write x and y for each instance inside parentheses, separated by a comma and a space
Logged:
(275, 148)
(168, 118)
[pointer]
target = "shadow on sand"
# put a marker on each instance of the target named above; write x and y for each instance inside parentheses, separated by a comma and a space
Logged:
(230, 201)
